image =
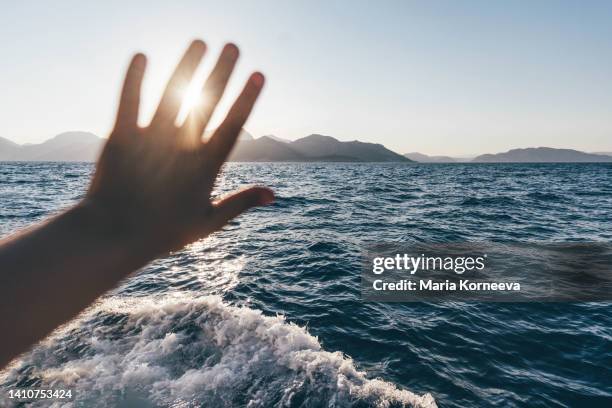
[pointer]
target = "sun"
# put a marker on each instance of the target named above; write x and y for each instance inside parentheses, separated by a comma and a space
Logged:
(191, 98)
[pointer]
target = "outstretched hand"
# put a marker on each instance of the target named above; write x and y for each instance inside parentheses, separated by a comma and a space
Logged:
(153, 184)
(151, 194)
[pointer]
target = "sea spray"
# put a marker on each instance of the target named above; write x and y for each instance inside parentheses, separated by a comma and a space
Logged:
(194, 352)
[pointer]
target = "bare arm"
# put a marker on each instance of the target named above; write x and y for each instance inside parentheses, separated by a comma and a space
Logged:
(150, 195)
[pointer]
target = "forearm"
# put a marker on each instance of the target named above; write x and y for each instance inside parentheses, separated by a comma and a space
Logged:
(50, 273)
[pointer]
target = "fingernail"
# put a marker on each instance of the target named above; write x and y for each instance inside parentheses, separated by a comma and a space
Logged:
(198, 44)
(140, 60)
(258, 79)
(231, 50)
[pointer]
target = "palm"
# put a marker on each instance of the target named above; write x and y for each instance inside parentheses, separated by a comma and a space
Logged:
(156, 181)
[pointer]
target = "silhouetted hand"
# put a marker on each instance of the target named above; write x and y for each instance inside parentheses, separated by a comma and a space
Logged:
(153, 184)
(150, 195)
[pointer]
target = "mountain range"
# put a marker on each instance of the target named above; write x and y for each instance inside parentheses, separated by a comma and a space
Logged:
(68, 146)
(542, 155)
(311, 148)
(423, 158)
(527, 155)
(84, 146)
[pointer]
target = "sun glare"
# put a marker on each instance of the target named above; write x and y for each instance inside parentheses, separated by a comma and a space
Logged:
(191, 99)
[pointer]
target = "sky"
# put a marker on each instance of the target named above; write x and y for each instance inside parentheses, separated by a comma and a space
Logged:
(437, 77)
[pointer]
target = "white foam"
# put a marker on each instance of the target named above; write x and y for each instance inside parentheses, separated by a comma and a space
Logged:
(193, 352)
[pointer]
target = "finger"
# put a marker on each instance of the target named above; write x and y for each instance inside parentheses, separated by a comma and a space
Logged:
(238, 202)
(213, 90)
(170, 102)
(129, 102)
(224, 138)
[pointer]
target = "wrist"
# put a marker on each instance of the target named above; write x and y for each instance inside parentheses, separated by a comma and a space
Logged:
(99, 222)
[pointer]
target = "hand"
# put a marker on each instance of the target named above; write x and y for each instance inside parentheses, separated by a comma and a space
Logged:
(152, 184)
(150, 195)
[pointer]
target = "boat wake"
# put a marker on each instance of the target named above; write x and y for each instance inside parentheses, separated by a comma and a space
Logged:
(198, 352)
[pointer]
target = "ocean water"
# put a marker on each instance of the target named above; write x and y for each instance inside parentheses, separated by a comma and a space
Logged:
(268, 311)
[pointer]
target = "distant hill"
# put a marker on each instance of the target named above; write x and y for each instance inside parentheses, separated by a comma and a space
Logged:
(278, 139)
(423, 158)
(313, 148)
(83, 146)
(8, 149)
(69, 146)
(542, 155)
(264, 149)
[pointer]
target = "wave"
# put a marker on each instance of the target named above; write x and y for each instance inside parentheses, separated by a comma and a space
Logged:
(536, 195)
(488, 201)
(301, 202)
(194, 352)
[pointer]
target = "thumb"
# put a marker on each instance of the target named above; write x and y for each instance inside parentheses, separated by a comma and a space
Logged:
(234, 204)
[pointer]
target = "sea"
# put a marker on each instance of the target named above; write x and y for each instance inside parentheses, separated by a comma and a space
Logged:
(268, 312)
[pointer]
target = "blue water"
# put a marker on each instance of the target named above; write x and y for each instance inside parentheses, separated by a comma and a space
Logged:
(161, 339)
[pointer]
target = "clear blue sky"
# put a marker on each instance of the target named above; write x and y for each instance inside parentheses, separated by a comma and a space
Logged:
(439, 77)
